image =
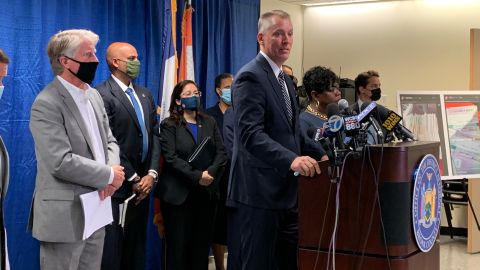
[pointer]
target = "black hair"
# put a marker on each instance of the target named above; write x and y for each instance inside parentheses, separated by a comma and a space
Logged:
(319, 79)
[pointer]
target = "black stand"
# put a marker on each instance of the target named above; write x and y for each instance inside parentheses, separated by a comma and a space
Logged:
(456, 192)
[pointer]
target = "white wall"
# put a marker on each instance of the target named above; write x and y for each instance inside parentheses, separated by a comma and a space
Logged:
(296, 14)
(414, 45)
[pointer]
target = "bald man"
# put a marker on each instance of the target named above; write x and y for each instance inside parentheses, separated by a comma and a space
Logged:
(131, 112)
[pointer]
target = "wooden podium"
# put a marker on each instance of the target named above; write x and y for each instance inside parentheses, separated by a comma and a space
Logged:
(362, 242)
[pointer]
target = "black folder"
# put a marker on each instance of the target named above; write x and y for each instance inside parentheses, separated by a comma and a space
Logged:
(203, 155)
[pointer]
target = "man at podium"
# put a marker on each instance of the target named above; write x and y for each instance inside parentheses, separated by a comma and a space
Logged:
(267, 155)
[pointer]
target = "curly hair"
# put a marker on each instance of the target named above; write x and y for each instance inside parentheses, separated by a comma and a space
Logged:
(319, 79)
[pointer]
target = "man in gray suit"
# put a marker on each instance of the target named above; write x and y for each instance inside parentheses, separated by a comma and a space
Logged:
(76, 154)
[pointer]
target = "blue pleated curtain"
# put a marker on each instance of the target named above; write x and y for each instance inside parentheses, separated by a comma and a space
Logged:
(224, 39)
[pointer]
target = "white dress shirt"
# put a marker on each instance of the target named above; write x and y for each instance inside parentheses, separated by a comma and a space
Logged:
(80, 97)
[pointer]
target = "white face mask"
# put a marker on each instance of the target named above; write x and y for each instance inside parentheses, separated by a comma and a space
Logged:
(1, 90)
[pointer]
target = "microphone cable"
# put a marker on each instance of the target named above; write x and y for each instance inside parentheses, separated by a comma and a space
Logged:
(376, 200)
(323, 227)
(359, 195)
(333, 240)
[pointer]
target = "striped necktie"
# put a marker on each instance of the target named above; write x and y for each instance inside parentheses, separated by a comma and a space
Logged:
(286, 97)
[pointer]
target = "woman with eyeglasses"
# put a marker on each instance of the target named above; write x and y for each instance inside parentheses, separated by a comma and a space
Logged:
(321, 85)
(188, 194)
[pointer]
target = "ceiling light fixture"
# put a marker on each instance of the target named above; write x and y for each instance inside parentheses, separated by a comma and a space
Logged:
(338, 2)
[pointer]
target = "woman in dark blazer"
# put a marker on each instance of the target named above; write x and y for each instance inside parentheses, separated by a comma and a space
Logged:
(188, 195)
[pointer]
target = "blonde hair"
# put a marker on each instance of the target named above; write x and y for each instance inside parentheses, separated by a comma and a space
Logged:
(265, 20)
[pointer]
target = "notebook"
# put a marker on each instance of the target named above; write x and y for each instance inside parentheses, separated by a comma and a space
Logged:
(203, 155)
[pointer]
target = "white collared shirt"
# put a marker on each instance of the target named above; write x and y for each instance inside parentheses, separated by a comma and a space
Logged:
(80, 97)
(276, 70)
(124, 89)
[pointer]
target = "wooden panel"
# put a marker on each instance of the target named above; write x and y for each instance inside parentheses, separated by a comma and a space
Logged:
(473, 241)
(474, 59)
(359, 222)
(312, 260)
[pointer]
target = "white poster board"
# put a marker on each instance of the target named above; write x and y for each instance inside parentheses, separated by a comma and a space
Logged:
(453, 119)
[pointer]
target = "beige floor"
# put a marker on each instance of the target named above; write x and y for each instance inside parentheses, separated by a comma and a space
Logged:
(453, 255)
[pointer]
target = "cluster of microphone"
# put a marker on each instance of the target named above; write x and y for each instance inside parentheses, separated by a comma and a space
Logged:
(347, 131)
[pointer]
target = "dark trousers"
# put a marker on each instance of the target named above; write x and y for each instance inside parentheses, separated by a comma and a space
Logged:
(188, 231)
(124, 248)
(262, 238)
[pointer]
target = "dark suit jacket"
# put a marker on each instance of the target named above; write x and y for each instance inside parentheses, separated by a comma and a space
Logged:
(217, 114)
(178, 178)
(265, 143)
(354, 107)
(126, 129)
(228, 131)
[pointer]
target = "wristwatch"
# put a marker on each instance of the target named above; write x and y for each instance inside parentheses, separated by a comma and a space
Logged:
(154, 175)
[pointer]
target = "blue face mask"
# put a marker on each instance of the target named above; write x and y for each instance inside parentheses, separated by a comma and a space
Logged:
(1, 90)
(227, 96)
(190, 103)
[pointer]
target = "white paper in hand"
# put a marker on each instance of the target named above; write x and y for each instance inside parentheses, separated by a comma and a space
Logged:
(97, 213)
(123, 210)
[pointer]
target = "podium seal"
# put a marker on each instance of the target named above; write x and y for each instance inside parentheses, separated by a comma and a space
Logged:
(426, 202)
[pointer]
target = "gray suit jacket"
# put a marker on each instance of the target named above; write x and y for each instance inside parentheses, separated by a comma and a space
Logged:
(65, 164)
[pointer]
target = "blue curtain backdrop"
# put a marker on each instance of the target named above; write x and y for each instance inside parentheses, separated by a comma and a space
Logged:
(224, 40)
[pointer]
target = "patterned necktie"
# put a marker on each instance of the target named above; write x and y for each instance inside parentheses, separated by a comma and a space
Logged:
(286, 97)
(138, 112)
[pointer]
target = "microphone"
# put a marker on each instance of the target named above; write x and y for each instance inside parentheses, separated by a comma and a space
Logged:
(347, 111)
(335, 123)
(391, 122)
(342, 104)
(405, 133)
(314, 133)
(367, 111)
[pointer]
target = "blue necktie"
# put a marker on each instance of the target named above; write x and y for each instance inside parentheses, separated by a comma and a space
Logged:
(138, 112)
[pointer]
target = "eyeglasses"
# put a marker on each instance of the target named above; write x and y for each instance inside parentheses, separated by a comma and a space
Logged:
(190, 94)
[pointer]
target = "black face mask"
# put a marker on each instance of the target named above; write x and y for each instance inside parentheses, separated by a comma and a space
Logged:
(86, 71)
(376, 94)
